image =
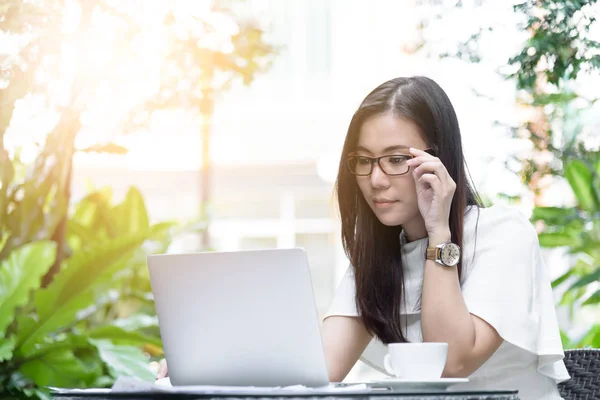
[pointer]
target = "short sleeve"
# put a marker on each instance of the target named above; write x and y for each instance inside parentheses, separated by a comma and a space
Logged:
(507, 285)
(344, 301)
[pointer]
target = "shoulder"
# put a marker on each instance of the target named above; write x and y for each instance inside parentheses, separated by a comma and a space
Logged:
(499, 222)
(500, 246)
(498, 233)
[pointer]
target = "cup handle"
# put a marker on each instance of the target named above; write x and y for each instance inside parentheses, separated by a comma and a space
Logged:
(387, 363)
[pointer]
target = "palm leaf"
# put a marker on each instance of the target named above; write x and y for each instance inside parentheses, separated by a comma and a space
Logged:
(20, 273)
(123, 360)
(580, 179)
(6, 347)
(593, 299)
(121, 336)
(76, 287)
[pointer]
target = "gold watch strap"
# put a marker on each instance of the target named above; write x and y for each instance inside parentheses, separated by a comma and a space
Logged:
(432, 253)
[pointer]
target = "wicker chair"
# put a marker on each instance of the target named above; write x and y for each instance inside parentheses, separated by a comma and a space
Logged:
(584, 367)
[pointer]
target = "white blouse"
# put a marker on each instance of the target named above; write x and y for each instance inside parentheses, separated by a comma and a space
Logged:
(504, 282)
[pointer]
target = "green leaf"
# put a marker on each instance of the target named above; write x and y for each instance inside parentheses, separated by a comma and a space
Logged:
(160, 230)
(121, 336)
(587, 279)
(7, 173)
(64, 341)
(557, 239)
(94, 221)
(60, 368)
(591, 338)
(131, 215)
(41, 394)
(580, 179)
(21, 273)
(103, 381)
(74, 287)
(86, 209)
(25, 322)
(553, 98)
(562, 278)
(17, 386)
(552, 215)
(570, 297)
(79, 235)
(6, 347)
(42, 203)
(593, 299)
(123, 360)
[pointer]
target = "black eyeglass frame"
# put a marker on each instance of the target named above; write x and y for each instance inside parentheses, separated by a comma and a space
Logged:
(378, 160)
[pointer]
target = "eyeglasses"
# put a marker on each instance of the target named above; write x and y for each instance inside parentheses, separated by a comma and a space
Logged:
(392, 165)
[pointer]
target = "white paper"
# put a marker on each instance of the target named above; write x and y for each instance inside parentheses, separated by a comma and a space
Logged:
(58, 390)
(122, 384)
(126, 384)
(165, 386)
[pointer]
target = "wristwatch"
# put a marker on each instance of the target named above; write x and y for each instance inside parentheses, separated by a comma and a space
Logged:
(446, 254)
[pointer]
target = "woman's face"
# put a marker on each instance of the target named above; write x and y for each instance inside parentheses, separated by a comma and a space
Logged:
(393, 199)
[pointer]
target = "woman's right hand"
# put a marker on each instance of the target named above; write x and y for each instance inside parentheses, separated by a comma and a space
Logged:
(163, 371)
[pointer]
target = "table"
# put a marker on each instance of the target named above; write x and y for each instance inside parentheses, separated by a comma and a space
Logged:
(464, 395)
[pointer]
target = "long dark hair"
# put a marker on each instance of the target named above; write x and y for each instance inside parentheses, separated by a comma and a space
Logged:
(373, 248)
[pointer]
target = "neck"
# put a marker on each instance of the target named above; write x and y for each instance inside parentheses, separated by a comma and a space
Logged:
(415, 229)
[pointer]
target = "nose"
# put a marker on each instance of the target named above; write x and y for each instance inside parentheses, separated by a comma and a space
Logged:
(378, 178)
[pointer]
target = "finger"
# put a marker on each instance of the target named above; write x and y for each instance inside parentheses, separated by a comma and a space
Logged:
(431, 180)
(415, 162)
(432, 167)
(438, 168)
(162, 369)
(419, 159)
(417, 152)
(448, 186)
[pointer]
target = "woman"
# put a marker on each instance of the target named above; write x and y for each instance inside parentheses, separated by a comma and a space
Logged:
(489, 297)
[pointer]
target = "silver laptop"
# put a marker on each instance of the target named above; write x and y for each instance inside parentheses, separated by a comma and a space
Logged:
(245, 318)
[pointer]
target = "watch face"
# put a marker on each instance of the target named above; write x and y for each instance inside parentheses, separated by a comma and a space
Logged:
(450, 254)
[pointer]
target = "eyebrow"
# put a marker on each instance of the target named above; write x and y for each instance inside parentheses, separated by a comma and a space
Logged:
(389, 148)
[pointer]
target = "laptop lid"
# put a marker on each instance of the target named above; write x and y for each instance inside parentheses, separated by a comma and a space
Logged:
(244, 318)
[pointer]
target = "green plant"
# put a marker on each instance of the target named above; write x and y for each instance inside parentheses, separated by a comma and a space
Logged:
(578, 229)
(558, 51)
(81, 330)
(95, 320)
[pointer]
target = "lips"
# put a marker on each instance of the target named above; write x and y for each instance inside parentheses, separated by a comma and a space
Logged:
(383, 203)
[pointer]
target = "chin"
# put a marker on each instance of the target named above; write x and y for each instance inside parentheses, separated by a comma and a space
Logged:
(391, 219)
(394, 217)
(387, 221)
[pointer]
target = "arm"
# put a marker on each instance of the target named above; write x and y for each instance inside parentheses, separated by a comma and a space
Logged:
(445, 318)
(344, 340)
(444, 315)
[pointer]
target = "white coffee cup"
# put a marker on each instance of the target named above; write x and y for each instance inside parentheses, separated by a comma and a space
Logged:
(416, 360)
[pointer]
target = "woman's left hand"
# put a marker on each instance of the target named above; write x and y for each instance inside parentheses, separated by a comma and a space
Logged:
(435, 190)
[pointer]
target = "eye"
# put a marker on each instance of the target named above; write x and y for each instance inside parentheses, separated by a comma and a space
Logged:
(363, 160)
(396, 159)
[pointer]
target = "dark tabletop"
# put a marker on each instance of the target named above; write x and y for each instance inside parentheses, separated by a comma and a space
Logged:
(466, 395)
